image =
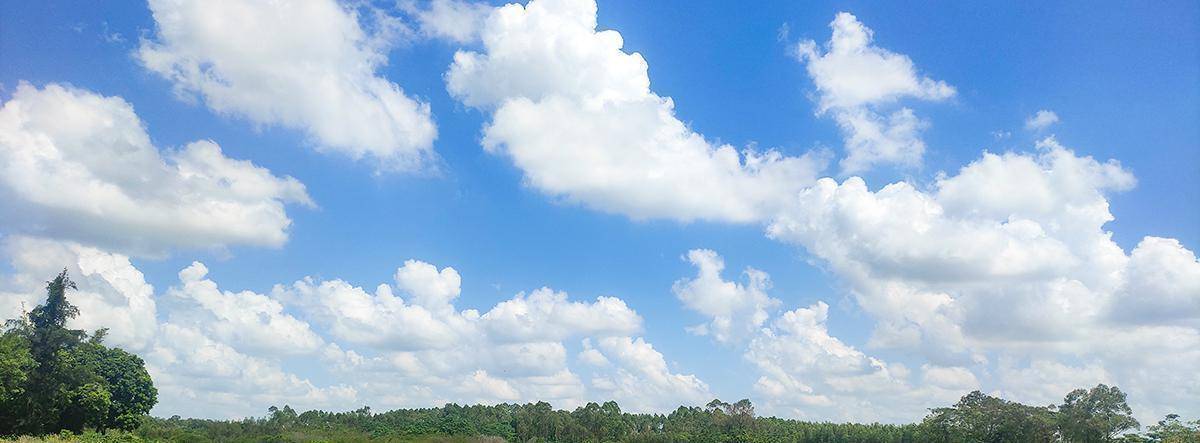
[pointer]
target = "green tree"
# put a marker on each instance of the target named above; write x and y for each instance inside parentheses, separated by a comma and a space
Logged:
(979, 417)
(1095, 415)
(15, 365)
(1173, 430)
(125, 377)
(55, 378)
(49, 387)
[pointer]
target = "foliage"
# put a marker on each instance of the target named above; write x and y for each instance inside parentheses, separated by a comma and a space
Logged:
(975, 418)
(1095, 415)
(982, 418)
(55, 378)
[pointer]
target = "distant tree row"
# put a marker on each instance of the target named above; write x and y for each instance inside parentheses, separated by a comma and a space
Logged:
(1099, 414)
(53, 378)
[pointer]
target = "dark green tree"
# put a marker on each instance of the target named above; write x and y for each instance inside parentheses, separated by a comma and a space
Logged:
(56, 378)
(124, 376)
(51, 381)
(15, 365)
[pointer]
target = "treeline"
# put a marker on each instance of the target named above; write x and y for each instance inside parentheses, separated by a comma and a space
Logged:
(66, 384)
(1094, 415)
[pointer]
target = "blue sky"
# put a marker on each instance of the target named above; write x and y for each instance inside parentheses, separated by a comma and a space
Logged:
(1120, 79)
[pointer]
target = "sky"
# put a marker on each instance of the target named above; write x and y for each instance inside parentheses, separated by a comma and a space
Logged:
(843, 211)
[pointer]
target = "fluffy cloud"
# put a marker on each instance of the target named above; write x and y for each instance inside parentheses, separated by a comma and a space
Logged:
(737, 310)
(640, 379)
(196, 363)
(1007, 259)
(214, 351)
(80, 166)
(199, 376)
(250, 322)
(512, 352)
(855, 80)
(455, 20)
(112, 293)
(808, 373)
(575, 113)
(1041, 120)
(1162, 285)
(547, 314)
(308, 65)
(380, 320)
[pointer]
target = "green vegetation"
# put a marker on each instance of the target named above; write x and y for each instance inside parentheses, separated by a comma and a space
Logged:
(64, 385)
(53, 378)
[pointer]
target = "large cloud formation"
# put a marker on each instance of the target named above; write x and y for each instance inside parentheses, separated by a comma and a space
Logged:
(78, 165)
(995, 274)
(308, 65)
(576, 115)
(215, 352)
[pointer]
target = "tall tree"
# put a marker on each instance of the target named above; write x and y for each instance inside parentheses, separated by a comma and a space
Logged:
(55, 378)
(49, 339)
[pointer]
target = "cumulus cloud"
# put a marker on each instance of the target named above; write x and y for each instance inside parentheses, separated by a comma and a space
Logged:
(546, 313)
(1162, 284)
(454, 20)
(251, 322)
(641, 381)
(737, 311)
(806, 372)
(78, 165)
(856, 81)
(310, 66)
(196, 364)
(512, 352)
(575, 113)
(215, 352)
(1006, 259)
(1041, 120)
(199, 376)
(112, 292)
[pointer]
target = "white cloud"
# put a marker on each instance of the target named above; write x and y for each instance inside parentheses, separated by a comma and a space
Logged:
(80, 166)
(1041, 120)
(197, 370)
(737, 310)
(380, 320)
(512, 352)
(855, 81)
(250, 322)
(219, 353)
(455, 20)
(1162, 284)
(641, 381)
(1045, 382)
(1008, 259)
(807, 373)
(956, 378)
(306, 65)
(1031, 225)
(575, 113)
(112, 292)
(545, 313)
(198, 376)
